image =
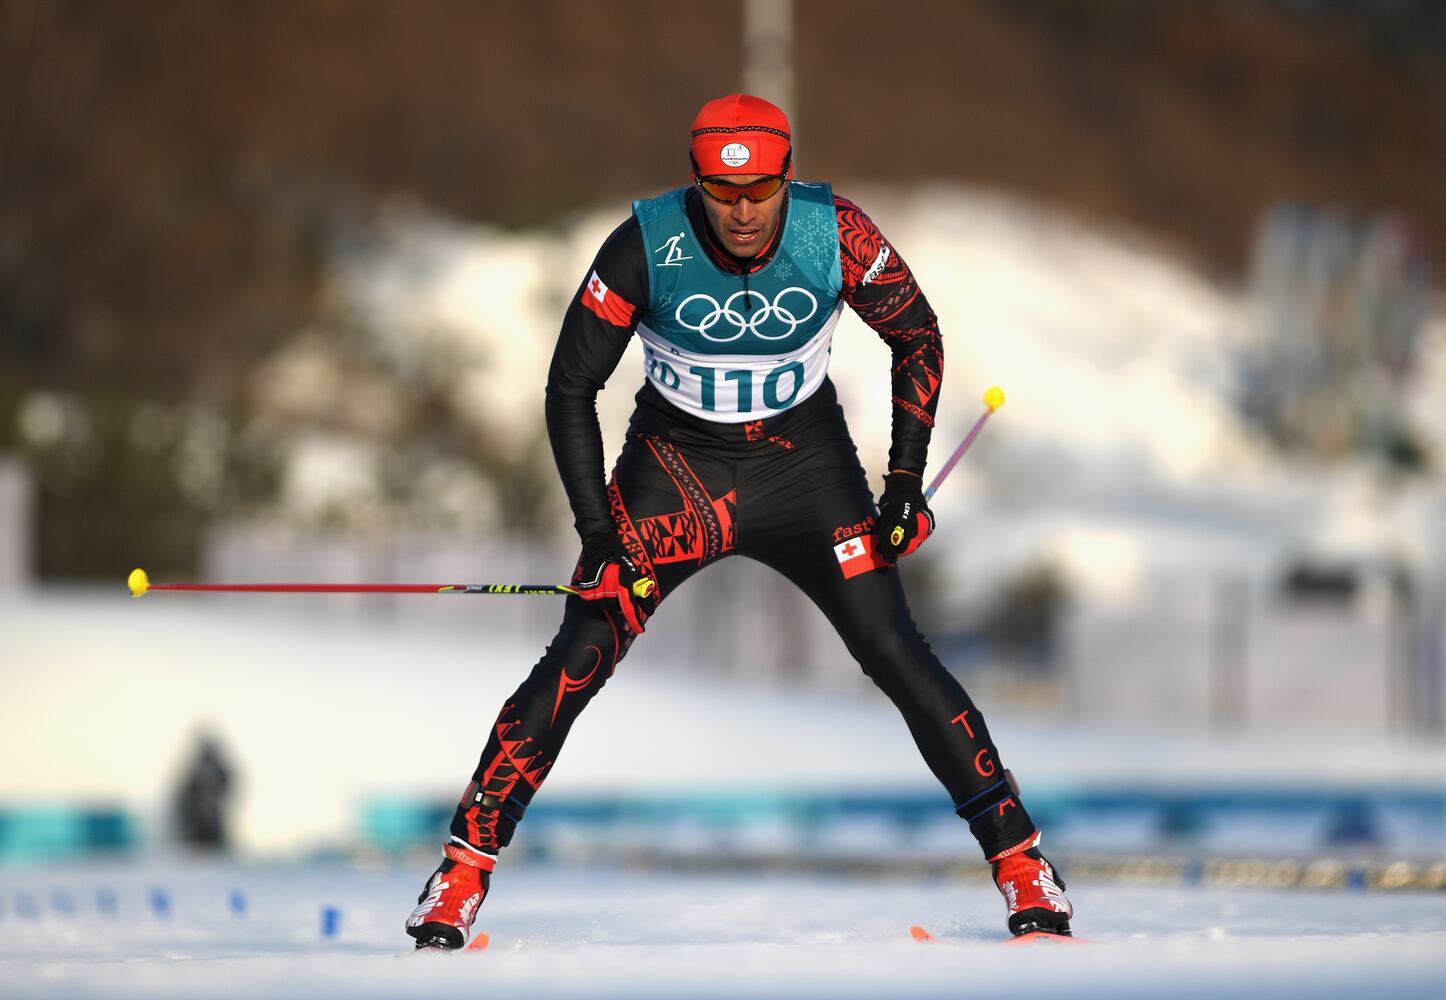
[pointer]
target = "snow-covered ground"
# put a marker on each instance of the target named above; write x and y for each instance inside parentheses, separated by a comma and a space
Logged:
(322, 709)
(612, 933)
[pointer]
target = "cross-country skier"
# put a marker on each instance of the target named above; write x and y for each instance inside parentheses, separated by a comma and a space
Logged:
(738, 446)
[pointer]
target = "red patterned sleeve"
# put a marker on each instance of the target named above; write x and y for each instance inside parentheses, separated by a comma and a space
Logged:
(882, 290)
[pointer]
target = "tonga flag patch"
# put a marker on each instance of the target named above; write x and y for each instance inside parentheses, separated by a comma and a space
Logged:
(856, 555)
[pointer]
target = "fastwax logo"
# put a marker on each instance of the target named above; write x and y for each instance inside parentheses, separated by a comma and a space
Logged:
(735, 154)
(877, 267)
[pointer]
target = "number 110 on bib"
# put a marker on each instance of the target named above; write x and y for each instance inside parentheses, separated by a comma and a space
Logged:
(779, 387)
(742, 378)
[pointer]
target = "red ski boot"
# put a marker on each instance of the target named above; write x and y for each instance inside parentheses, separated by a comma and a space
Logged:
(443, 917)
(1031, 890)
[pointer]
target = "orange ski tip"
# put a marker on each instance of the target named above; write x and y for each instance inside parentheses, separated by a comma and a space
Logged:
(479, 942)
(919, 934)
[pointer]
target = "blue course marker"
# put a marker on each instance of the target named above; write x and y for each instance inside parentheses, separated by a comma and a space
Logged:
(161, 904)
(238, 903)
(330, 921)
(105, 902)
(62, 903)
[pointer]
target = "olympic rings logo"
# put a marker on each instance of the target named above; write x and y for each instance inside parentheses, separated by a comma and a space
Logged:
(737, 323)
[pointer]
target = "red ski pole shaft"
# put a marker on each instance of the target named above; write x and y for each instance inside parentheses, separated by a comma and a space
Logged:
(140, 585)
(993, 400)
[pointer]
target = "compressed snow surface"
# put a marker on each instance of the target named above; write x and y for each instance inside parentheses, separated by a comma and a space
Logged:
(612, 933)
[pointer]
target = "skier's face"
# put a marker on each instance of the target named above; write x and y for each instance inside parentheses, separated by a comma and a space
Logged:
(745, 227)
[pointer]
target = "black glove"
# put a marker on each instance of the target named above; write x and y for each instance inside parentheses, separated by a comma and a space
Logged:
(905, 519)
(605, 571)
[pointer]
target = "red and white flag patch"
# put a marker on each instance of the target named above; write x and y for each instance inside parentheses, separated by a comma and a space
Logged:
(606, 303)
(856, 555)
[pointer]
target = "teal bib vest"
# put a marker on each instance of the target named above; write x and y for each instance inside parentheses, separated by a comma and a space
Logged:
(728, 349)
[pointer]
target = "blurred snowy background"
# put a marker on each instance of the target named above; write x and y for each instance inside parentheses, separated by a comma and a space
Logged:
(279, 284)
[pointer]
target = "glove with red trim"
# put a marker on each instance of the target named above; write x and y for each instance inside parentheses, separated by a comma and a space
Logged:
(605, 571)
(905, 519)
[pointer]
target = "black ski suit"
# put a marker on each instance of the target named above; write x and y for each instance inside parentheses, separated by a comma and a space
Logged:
(787, 491)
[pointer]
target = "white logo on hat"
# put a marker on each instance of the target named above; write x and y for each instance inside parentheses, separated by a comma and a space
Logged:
(735, 154)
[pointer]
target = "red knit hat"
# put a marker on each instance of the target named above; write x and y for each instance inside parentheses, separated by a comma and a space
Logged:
(741, 134)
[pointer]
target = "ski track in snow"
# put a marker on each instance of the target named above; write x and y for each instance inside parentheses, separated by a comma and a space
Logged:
(612, 933)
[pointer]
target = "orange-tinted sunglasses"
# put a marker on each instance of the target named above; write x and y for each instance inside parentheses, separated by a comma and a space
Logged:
(730, 193)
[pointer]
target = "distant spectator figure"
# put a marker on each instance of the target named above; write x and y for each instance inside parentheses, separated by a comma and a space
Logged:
(202, 797)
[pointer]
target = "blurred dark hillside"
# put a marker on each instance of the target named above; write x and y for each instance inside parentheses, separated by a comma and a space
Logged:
(168, 166)
(172, 170)
(1186, 118)
(171, 167)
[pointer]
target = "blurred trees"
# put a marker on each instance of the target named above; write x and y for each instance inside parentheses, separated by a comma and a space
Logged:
(1188, 119)
(171, 173)
(1340, 306)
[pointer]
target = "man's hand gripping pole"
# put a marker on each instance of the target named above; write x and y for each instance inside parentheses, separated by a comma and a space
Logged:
(606, 572)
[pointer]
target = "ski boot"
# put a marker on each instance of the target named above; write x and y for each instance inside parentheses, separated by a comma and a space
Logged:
(1032, 890)
(448, 903)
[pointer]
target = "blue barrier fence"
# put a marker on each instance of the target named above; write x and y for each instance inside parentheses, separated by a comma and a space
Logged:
(1327, 819)
(1407, 821)
(31, 833)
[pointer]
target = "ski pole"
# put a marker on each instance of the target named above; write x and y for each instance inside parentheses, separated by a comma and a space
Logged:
(140, 585)
(993, 400)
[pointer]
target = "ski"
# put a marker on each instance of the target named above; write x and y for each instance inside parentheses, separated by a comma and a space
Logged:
(1045, 938)
(924, 936)
(479, 942)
